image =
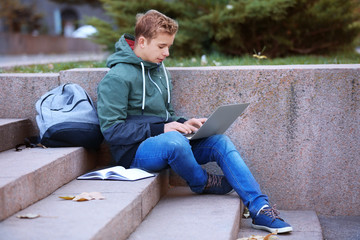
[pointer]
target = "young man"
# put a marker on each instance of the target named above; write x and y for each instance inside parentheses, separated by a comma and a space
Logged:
(139, 123)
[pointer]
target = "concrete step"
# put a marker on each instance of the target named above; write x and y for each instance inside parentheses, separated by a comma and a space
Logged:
(34, 173)
(182, 214)
(125, 205)
(13, 132)
(306, 225)
(340, 227)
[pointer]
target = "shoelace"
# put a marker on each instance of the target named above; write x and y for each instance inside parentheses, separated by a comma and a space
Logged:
(272, 213)
(213, 181)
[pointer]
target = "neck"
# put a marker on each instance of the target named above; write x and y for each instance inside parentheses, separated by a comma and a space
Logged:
(137, 51)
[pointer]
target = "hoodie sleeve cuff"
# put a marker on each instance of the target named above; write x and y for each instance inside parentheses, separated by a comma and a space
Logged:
(181, 120)
(156, 128)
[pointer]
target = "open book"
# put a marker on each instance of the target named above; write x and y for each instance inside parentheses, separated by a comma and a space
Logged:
(116, 173)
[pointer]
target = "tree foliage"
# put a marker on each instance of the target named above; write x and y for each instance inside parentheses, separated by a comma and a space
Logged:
(19, 17)
(286, 26)
(237, 27)
(94, 3)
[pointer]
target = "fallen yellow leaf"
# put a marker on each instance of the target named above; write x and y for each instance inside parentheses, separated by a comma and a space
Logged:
(259, 56)
(81, 199)
(67, 197)
(270, 236)
(85, 196)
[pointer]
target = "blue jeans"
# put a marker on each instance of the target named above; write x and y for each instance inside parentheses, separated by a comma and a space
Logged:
(185, 157)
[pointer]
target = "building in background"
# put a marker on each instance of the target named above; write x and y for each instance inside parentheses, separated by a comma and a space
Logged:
(46, 27)
(59, 18)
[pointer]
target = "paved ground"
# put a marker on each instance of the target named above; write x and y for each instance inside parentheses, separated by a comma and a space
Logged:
(7, 61)
(340, 227)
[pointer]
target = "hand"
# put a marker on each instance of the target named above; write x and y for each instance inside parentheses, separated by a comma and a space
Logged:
(195, 123)
(176, 126)
(191, 125)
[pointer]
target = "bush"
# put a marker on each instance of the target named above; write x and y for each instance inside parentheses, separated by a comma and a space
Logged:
(286, 26)
(281, 27)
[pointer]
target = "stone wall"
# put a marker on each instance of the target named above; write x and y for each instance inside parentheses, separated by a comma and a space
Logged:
(299, 136)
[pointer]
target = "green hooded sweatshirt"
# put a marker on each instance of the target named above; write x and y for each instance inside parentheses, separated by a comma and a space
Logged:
(133, 101)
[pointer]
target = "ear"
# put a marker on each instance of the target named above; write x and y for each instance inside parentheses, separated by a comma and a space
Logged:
(141, 41)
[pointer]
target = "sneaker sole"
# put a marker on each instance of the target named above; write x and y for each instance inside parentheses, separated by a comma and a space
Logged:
(272, 230)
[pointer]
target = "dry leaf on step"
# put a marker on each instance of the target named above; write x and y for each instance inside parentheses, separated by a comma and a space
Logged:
(28, 216)
(97, 196)
(270, 236)
(67, 197)
(85, 196)
(246, 213)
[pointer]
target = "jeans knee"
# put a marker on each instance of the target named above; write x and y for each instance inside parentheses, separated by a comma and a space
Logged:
(222, 139)
(176, 141)
(223, 145)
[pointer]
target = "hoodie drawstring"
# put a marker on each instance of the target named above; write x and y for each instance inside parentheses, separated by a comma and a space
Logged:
(143, 100)
(144, 89)
(167, 82)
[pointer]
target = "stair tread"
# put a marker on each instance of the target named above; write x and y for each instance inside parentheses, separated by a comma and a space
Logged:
(306, 225)
(124, 207)
(13, 131)
(14, 164)
(182, 214)
(33, 173)
(4, 121)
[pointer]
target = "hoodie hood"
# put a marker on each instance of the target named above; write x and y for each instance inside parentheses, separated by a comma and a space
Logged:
(124, 53)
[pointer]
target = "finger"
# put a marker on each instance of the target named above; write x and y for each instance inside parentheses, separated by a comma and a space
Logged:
(192, 128)
(202, 120)
(199, 121)
(194, 122)
(181, 127)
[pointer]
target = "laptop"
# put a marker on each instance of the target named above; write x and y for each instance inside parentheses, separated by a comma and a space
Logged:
(219, 121)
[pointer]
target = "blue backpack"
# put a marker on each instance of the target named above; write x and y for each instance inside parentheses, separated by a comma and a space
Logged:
(67, 118)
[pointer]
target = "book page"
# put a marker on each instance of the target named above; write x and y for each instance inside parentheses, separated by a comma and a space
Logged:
(117, 173)
(100, 174)
(113, 171)
(135, 174)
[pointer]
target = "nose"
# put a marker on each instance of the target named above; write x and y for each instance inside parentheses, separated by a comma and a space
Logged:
(166, 52)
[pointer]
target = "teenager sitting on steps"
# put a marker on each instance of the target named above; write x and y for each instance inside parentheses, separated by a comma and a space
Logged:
(143, 131)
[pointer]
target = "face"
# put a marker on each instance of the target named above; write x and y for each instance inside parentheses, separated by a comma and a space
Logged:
(157, 49)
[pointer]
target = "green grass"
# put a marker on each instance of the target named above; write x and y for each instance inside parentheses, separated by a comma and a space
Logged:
(219, 60)
(212, 60)
(52, 67)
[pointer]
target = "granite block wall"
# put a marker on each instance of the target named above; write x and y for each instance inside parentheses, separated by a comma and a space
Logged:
(299, 136)
(19, 93)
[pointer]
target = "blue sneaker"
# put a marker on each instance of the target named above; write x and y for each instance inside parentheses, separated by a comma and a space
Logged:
(268, 219)
(217, 184)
